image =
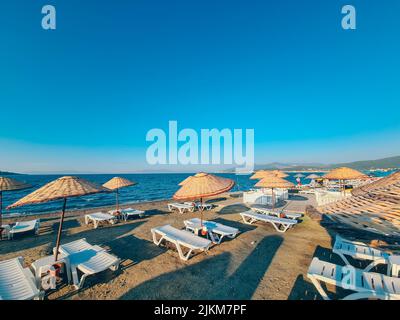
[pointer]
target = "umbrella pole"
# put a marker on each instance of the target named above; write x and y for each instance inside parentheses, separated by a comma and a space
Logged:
(60, 228)
(116, 196)
(201, 212)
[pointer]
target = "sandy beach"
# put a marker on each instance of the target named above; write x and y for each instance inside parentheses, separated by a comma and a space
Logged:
(259, 263)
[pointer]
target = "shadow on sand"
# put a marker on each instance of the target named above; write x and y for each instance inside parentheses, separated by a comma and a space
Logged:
(211, 278)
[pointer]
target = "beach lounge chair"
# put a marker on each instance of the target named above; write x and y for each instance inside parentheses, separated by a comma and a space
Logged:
(87, 258)
(279, 214)
(181, 239)
(99, 218)
(77, 246)
(90, 262)
(17, 282)
(215, 231)
(127, 213)
(22, 227)
(198, 205)
(181, 207)
(280, 224)
(361, 251)
(364, 284)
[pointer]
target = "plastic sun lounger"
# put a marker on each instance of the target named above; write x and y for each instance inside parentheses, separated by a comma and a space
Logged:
(216, 231)
(180, 238)
(128, 212)
(25, 226)
(181, 207)
(198, 205)
(89, 259)
(17, 282)
(280, 224)
(98, 218)
(364, 284)
(77, 246)
(361, 251)
(288, 215)
(89, 262)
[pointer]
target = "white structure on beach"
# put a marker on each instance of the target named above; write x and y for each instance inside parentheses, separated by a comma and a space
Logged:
(264, 196)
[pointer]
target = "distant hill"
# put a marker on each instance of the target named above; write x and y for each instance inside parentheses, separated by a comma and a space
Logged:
(385, 163)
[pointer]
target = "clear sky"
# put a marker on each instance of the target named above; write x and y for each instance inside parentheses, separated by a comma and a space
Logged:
(82, 97)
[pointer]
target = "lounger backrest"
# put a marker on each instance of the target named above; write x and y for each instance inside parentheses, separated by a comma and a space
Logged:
(16, 283)
(182, 236)
(356, 248)
(267, 218)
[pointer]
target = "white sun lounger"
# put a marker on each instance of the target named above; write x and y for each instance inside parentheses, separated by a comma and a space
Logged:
(89, 259)
(25, 226)
(216, 231)
(280, 224)
(288, 215)
(364, 284)
(99, 217)
(77, 246)
(90, 262)
(17, 282)
(361, 251)
(198, 205)
(180, 238)
(127, 213)
(181, 207)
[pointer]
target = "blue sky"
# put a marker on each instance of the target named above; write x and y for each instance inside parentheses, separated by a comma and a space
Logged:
(82, 98)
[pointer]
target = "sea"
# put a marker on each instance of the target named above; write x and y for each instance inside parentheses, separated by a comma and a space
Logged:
(149, 187)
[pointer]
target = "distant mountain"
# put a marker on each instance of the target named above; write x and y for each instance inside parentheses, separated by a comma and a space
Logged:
(385, 163)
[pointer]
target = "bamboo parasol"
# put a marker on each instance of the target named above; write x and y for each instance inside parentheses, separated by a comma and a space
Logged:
(268, 173)
(203, 185)
(60, 189)
(299, 175)
(272, 183)
(313, 176)
(117, 183)
(9, 184)
(344, 173)
(184, 181)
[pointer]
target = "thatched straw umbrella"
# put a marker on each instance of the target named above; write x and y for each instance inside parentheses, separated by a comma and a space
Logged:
(117, 183)
(60, 189)
(299, 175)
(203, 185)
(344, 173)
(9, 184)
(268, 173)
(184, 181)
(313, 176)
(272, 183)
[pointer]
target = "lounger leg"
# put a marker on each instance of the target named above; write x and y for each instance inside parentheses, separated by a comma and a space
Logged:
(80, 285)
(157, 242)
(341, 255)
(319, 288)
(285, 227)
(75, 278)
(377, 262)
(181, 255)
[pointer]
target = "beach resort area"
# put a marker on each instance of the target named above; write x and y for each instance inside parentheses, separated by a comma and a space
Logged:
(324, 236)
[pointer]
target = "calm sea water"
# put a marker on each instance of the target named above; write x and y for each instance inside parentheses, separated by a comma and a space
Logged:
(149, 187)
